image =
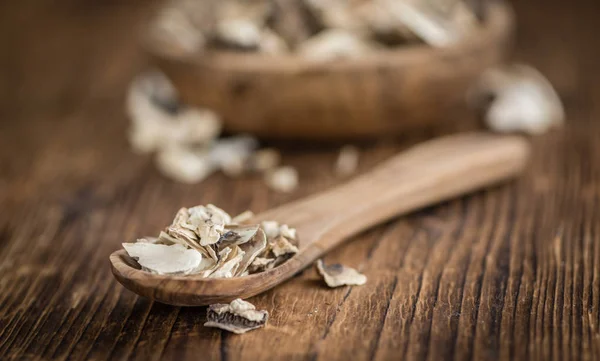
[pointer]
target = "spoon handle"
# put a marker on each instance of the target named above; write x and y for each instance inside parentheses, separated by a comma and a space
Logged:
(426, 174)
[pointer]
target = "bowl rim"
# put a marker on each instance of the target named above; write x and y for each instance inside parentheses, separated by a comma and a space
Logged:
(498, 23)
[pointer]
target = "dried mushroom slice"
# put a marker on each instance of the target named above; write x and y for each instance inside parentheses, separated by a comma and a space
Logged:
(251, 250)
(237, 235)
(184, 165)
(239, 23)
(205, 267)
(517, 98)
(182, 233)
(164, 238)
(261, 264)
(436, 26)
(230, 265)
(287, 232)
(271, 229)
(347, 161)
(238, 317)
(212, 253)
(281, 246)
(209, 222)
(337, 275)
(335, 44)
(163, 259)
(265, 159)
(231, 154)
(242, 217)
(271, 43)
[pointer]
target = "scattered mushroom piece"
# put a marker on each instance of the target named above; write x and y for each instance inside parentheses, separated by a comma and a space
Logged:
(517, 98)
(337, 275)
(238, 317)
(283, 179)
(265, 159)
(160, 122)
(232, 154)
(184, 165)
(347, 161)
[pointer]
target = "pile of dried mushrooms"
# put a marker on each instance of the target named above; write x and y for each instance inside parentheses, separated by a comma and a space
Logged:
(206, 241)
(186, 140)
(314, 29)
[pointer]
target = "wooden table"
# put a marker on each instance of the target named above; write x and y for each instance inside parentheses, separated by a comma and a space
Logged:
(509, 273)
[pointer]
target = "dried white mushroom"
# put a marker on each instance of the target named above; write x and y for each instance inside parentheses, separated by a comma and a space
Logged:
(261, 264)
(347, 161)
(281, 246)
(232, 154)
(184, 138)
(239, 23)
(377, 17)
(164, 259)
(255, 11)
(287, 232)
(239, 33)
(334, 44)
(434, 25)
(184, 165)
(228, 263)
(158, 121)
(283, 179)
(522, 99)
(265, 159)
(149, 98)
(306, 26)
(236, 235)
(271, 229)
(242, 217)
(337, 275)
(238, 317)
(176, 33)
(220, 247)
(271, 43)
(251, 251)
(334, 14)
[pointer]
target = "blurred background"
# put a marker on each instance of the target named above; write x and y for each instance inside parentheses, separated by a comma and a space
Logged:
(59, 53)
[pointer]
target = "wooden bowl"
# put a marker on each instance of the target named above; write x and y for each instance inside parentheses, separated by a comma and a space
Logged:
(385, 92)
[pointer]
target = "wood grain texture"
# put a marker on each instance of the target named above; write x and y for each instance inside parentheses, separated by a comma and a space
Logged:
(510, 273)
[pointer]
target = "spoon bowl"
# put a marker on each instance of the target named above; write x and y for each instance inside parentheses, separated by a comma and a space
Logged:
(426, 174)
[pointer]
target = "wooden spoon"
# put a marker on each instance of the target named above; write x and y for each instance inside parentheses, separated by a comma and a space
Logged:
(426, 174)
